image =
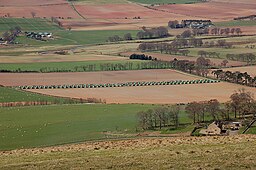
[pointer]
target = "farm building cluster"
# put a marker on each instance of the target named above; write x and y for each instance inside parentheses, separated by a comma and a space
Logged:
(43, 36)
(195, 24)
(221, 128)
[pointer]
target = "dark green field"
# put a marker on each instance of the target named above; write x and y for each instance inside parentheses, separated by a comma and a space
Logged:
(62, 66)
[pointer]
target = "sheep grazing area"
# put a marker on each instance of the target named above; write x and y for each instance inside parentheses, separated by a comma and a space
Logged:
(231, 152)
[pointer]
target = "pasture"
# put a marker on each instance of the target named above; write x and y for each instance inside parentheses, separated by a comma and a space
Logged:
(77, 37)
(92, 37)
(63, 66)
(13, 95)
(38, 126)
(28, 24)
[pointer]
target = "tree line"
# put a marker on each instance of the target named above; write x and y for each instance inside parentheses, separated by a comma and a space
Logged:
(148, 33)
(51, 102)
(240, 105)
(250, 58)
(159, 117)
(142, 57)
(173, 47)
(116, 38)
(235, 77)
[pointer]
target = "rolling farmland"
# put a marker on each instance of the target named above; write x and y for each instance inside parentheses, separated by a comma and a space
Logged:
(79, 99)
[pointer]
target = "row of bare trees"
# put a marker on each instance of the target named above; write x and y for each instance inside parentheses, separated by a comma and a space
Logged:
(250, 58)
(235, 77)
(159, 118)
(240, 105)
(217, 31)
(117, 38)
(148, 33)
(172, 47)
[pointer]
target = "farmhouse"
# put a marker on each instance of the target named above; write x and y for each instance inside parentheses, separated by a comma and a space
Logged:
(201, 24)
(39, 36)
(195, 24)
(212, 129)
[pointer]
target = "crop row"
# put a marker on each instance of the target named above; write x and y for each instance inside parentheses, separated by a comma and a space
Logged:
(127, 84)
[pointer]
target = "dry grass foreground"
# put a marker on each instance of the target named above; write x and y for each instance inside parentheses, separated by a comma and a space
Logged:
(226, 152)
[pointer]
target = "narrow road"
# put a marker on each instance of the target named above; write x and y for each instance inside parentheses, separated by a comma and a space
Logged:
(74, 8)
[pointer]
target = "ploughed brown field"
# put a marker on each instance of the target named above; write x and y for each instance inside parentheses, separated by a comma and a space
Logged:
(154, 94)
(19, 79)
(42, 8)
(168, 57)
(211, 10)
(113, 16)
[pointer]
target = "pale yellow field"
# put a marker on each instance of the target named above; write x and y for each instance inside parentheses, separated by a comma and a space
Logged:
(154, 94)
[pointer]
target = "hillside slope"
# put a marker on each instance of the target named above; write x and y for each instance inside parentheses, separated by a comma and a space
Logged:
(233, 152)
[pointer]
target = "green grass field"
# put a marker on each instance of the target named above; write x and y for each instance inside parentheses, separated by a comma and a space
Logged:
(28, 24)
(166, 1)
(62, 66)
(51, 125)
(235, 23)
(77, 37)
(61, 36)
(13, 95)
(35, 126)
